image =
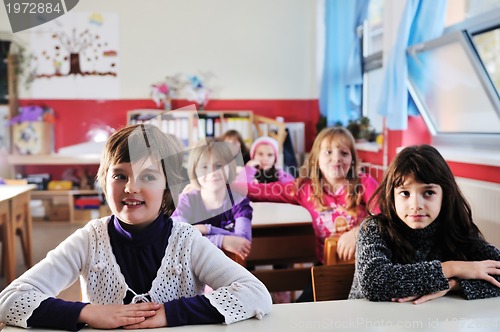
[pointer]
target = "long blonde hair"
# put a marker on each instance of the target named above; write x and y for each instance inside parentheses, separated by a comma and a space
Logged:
(311, 171)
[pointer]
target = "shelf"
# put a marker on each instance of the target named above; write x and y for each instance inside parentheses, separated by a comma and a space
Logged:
(63, 202)
(54, 159)
(51, 193)
(59, 205)
(191, 126)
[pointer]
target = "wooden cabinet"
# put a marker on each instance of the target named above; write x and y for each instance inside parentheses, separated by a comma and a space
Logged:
(60, 205)
(191, 126)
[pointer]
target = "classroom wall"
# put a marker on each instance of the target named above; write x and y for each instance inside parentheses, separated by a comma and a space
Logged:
(255, 49)
(265, 57)
(262, 55)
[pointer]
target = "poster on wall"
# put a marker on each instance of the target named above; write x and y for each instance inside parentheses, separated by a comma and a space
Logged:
(76, 57)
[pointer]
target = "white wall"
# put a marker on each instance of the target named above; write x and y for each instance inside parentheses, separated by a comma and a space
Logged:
(257, 49)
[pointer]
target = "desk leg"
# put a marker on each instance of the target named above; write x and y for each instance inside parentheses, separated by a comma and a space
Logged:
(71, 207)
(8, 255)
(21, 223)
(28, 252)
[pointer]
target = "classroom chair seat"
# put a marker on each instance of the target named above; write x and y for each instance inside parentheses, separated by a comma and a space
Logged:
(332, 282)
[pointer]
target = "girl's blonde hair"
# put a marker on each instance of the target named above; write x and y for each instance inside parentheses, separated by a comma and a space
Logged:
(215, 147)
(311, 171)
(137, 142)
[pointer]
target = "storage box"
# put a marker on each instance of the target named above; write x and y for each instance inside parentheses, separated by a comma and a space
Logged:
(60, 185)
(32, 138)
(58, 213)
(86, 214)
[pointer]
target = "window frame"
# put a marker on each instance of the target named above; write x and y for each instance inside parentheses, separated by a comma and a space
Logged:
(463, 38)
(463, 33)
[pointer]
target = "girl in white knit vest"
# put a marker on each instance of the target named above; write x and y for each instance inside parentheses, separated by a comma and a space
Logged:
(138, 268)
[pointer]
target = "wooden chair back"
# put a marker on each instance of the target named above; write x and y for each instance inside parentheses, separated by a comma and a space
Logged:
(330, 256)
(332, 282)
(264, 127)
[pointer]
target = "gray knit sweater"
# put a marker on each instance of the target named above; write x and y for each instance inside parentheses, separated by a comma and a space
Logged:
(378, 277)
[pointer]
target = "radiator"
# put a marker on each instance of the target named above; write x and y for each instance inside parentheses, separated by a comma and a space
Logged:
(484, 198)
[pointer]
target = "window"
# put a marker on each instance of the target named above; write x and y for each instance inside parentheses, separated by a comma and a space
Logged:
(457, 87)
(372, 42)
(451, 87)
(488, 46)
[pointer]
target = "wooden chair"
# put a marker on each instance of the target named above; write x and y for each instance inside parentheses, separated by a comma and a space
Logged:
(332, 282)
(264, 127)
(330, 256)
(235, 257)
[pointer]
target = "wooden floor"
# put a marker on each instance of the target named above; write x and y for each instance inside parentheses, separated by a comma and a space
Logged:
(46, 236)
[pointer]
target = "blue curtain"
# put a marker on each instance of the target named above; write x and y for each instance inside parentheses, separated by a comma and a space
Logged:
(422, 20)
(340, 96)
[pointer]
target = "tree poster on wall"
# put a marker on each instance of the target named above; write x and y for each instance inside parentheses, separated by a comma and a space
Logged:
(76, 57)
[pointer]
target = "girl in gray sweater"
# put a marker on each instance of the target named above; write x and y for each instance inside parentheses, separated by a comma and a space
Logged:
(423, 243)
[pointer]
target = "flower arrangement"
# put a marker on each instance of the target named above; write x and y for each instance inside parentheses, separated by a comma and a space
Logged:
(190, 87)
(195, 90)
(160, 92)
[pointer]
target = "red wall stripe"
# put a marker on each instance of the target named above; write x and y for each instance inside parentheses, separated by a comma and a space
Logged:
(478, 172)
(74, 118)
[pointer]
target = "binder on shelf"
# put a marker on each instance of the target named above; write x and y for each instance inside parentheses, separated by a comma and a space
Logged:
(210, 127)
(190, 127)
(217, 128)
(184, 131)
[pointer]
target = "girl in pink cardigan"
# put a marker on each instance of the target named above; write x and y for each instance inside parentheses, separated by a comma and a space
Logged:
(330, 188)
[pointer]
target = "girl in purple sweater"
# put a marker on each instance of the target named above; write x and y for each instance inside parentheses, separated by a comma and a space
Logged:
(221, 215)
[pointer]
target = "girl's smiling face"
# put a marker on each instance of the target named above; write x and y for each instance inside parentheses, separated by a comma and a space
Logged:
(334, 161)
(135, 191)
(264, 153)
(418, 204)
(211, 172)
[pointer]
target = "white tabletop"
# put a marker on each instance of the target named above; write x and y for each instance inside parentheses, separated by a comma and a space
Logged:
(441, 315)
(265, 213)
(9, 191)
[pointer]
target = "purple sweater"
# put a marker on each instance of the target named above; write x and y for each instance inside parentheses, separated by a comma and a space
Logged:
(234, 217)
(139, 256)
